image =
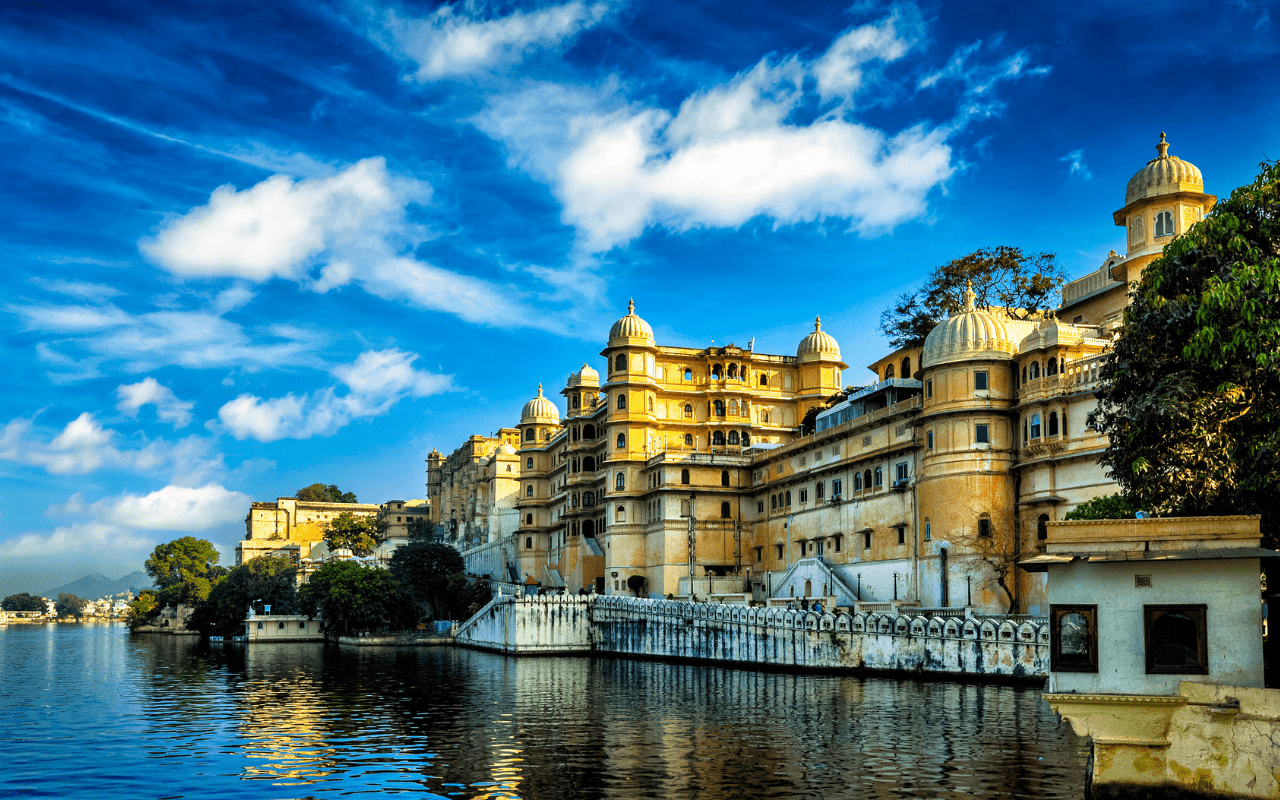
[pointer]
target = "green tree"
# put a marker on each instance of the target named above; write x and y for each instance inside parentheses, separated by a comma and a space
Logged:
(1111, 506)
(466, 595)
(421, 530)
(359, 534)
(320, 493)
(352, 597)
(23, 601)
(184, 570)
(271, 578)
(143, 609)
(423, 568)
(1002, 276)
(1191, 393)
(70, 605)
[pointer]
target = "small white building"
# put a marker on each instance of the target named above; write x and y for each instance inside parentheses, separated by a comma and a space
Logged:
(282, 628)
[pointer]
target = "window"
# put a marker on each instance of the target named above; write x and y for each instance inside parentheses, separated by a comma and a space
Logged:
(984, 527)
(764, 417)
(760, 507)
(902, 536)
(804, 495)
(529, 463)
(779, 550)
(589, 432)
(528, 490)
(835, 488)
(620, 514)
(1176, 640)
(719, 407)
(588, 464)
(733, 370)
(717, 438)
(528, 519)
(622, 441)
(980, 380)
(788, 497)
(906, 367)
(866, 479)
(888, 372)
(1042, 527)
(1035, 426)
(982, 434)
(684, 477)
(733, 437)
(746, 437)
(724, 509)
(622, 402)
(928, 388)
(928, 438)
(688, 440)
(773, 502)
(819, 489)
(688, 411)
(1053, 367)
(1053, 423)
(836, 539)
(879, 477)
(620, 481)
(1035, 370)
(588, 499)
(529, 435)
(1164, 223)
(302, 626)
(928, 530)
(764, 380)
(528, 543)
(866, 540)
(1073, 638)
(857, 481)
(724, 477)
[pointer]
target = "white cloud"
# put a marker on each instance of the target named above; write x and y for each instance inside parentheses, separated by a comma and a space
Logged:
(169, 408)
(375, 382)
(455, 41)
(1076, 167)
(79, 289)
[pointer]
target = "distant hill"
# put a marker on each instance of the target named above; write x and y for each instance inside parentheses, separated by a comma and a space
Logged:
(95, 586)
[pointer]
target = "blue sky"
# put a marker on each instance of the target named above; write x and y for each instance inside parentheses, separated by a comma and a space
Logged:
(255, 246)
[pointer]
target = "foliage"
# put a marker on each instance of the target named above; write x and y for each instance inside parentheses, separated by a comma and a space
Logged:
(466, 595)
(320, 493)
(1111, 506)
(1002, 276)
(423, 569)
(271, 579)
(143, 609)
(421, 530)
(635, 583)
(70, 605)
(1191, 394)
(24, 601)
(359, 534)
(350, 597)
(184, 570)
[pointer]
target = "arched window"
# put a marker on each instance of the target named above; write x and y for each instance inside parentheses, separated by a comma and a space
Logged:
(573, 465)
(688, 410)
(788, 498)
(575, 401)
(620, 514)
(746, 439)
(1052, 368)
(928, 530)
(724, 477)
(819, 489)
(764, 380)
(588, 527)
(622, 402)
(622, 441)
(528, 540)
(1035, 426)
(688, 374)
(575, 434)
(857, 481)
(688, 440)
(717, 438)
(733, 408)
(1053, 423)
(588, 499)
(733, 370)
(684, 477)
(1035, 370)
(588, 464)
(733, 437)
(888, 372)
(573, 500)
(866, 479)
(984, 526)
(589, 432)
(620, 363)
(530, 434)
(1164, 224)
(719, 407)
(879, 477)
(1042, 527)
(528, 490)
(620, 481)
(764, 417)
(724, 509)
(773, 502)
(1024, 373)
(906, 367)
(684, 508)
(529, 463)
(717, 372)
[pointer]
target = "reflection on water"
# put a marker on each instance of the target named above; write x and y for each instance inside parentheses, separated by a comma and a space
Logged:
(90, 711)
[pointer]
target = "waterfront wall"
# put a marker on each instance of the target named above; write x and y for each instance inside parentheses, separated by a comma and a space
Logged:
(668, 629)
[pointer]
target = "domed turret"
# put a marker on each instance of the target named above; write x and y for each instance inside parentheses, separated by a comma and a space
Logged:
(584, 377)
(818, 344)
(506, 449)
(630, 330)
(1164, 174)
(970, 335)
(540, 409)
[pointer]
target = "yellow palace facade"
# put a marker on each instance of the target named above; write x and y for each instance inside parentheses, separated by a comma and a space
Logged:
(678, 471)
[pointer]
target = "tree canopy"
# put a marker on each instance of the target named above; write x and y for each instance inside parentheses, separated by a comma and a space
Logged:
(423, 569)
(358, 533)
(143, 609)
(421, 529)
(1001, 276)
(184, 570)
(1111, 506)
(23, 601)
(270, 578)
(354, 597)
(70, 605)
(320, 493)
(1191, 392)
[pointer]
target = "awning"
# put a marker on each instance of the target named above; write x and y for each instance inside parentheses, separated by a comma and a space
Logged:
(1042, 562)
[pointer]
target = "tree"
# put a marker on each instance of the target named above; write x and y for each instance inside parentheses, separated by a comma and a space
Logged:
(70, 605)
(1002, 276)
(350, 596)
(23, 601)
(466, 595)
(359, 534)
(1191, 395)
(320, 493)
(1111, 506)
(421, 529)
(636, 583)
(423, 569)
(143, 609)
(271, 578)
(184, 570)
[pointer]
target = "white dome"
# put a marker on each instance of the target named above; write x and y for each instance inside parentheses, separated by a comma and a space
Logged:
(584, 377)
(540, 409)
(1164, 174)
(818, 344)
(970, 335)
(506, 449)
(630, 328)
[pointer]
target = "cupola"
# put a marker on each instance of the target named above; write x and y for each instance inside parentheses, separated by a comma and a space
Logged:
(818, 345)
(540, 409)
(1164, 174)
(970, 335)
(630, 330)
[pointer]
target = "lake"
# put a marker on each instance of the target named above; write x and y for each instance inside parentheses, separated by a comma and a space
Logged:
(90, 711)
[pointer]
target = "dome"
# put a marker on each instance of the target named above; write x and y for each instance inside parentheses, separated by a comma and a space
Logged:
(629, 327)
(540, 409)
(970, 335)
(1164, 174)
(818, 344)
(585, 376)
(506, 449)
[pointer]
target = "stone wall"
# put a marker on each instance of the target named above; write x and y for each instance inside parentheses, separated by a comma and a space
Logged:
(661, 629)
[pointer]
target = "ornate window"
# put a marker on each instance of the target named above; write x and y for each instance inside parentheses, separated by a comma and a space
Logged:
(1164, 223)
(1035, 426)
(879, 477)
(857, 481)
(1035, 370)
(764, 380)
(746, 439)
(589, 432)
(529, 463)
(620, 514)
(622, 402)
(719, 407)
(1073, 638)
(688, 410)
(622, 441)
(733, 408)
(620, 481)
(733, 437)
(717, 438)
(1053, 423)
(588, 464)
(688, 374)
(688, 440)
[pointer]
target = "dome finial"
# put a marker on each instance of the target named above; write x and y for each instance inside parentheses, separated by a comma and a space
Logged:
(631, 305)
(817, 323)
(969, 297)
(539, 390)
(1163, 147)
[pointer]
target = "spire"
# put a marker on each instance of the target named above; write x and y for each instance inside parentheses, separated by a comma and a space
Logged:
(1163, 147)
(631, 303)
(817, 323)
(539, 390)
(969, 297)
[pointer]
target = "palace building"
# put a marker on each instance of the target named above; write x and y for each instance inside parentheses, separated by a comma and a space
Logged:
(727, 473)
